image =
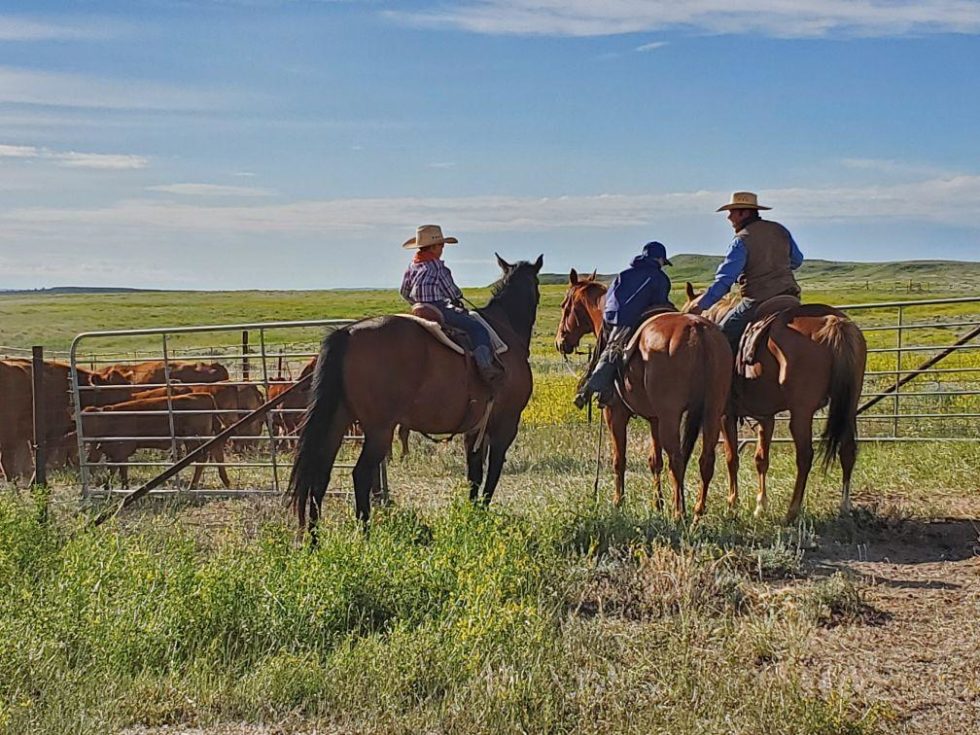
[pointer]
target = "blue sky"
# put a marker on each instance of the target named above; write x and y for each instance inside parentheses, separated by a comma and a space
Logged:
(295, 144)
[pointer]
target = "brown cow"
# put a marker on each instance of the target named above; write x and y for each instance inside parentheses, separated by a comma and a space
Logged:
(152, 372)
(233, 400)
(152, 431)
(16, 420)
(286, 418)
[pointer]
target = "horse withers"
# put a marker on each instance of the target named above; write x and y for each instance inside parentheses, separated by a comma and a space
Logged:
(677, 375)
(812, 356)
(388, 371)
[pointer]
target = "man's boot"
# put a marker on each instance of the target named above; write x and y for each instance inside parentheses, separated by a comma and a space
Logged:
(490, 372)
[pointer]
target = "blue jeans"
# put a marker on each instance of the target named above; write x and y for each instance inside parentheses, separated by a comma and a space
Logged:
(459, 319)
(735, 322)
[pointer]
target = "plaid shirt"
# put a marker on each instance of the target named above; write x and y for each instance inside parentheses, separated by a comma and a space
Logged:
(429, 282)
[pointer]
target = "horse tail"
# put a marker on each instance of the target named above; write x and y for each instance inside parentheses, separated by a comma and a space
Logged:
(315, 454)
(694, 419)
(848, 354)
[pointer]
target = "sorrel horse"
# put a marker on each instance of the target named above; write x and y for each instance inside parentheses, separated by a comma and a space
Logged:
(681, 367)
(388, 371)
(814, 355)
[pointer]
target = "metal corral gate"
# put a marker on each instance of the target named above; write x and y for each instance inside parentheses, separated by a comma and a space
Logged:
(923, 373)
(259, 461)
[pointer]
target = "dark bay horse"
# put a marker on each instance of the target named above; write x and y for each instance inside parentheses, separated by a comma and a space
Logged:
(388, 371)
(814, 356)
(678, 378)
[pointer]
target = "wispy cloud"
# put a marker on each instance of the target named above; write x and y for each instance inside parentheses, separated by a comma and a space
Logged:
(650, 46)
(18, 151)
(949, 201)
(19, 28)
(74, 159)
(103, 161)
(780, 18)
(212, 190)
(28, 86)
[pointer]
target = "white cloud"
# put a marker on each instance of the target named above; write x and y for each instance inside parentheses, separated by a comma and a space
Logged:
(781, 18)
(651, 46)
(74, 159)
(102, 161)
(27, 86)
(212, 190)
(948, 201)
(14, 28)
(18, 151)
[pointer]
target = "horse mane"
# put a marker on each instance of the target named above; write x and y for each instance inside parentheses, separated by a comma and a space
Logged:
(516, 295)
(721, 307)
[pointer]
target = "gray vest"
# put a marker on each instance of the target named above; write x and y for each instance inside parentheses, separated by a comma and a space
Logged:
(767, 272)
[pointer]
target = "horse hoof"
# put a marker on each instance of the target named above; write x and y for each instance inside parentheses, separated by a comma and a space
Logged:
(760, 510)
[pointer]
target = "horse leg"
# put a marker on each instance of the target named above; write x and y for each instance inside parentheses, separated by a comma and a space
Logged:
(656, 462)
(617, 417)
(373, 452)
(403, 433)
(801, 427)
(475, 461)
(500, 442)
(848, 455)
(764, 431)
(709, 438)
(730, 434)
(335, 437)
(670, 433)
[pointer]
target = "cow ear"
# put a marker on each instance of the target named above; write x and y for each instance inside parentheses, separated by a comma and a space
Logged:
(504, 265)
(572, 277)
(689, 289)
(538, 263)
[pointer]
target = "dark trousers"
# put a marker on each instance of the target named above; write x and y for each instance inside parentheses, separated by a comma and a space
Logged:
(604, 372)
(735, 322)
(459, 319)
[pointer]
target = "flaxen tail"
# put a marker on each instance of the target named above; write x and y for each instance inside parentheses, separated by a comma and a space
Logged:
(315, 455)
(849, 350)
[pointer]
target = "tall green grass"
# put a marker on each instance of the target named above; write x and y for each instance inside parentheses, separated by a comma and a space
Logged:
(461, 620)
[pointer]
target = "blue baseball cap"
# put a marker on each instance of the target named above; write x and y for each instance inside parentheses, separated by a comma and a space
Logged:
(654, 249)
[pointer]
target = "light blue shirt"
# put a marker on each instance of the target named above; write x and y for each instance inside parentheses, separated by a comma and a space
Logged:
(733, 265)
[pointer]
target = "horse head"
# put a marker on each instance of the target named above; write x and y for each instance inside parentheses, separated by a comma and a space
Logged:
(517, 293)
(581, 311)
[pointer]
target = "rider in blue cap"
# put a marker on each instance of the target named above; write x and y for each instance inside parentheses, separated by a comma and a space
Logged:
(637, 289)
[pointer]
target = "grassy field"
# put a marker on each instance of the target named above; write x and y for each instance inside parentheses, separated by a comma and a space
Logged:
(550, 612)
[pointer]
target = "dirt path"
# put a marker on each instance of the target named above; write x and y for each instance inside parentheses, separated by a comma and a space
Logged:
(921, 656)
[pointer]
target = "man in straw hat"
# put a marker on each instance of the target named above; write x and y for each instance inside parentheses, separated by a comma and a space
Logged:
(637, 289)
(761, 259)
(428, 281)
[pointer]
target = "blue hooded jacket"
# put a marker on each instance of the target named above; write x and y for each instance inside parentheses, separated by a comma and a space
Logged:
(636, 289)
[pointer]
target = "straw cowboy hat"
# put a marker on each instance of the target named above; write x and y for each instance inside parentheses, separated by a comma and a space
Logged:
(742, 200)
(426, 235)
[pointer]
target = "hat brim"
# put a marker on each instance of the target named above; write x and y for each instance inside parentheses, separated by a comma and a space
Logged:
(729, 207)
(413, 245)
(667, 262)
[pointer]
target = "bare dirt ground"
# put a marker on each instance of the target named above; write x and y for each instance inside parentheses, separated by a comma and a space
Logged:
(918, 654)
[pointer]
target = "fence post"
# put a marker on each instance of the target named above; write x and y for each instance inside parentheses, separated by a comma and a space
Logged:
(40, 436)
(245, 369)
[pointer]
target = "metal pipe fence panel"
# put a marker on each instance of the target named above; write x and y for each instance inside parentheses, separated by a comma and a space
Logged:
(257, 358)
(923, 371)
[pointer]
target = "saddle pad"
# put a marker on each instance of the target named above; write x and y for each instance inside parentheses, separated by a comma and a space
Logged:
(499, 346)
(635, 337)
(745, 362)
(435, 329)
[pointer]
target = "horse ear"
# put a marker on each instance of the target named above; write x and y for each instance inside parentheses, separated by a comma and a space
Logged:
(573, 276)
(689, 289)
(504, 265)
(594, 271)
(538, 263)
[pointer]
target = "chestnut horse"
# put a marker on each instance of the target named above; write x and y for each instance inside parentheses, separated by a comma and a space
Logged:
(385, 371)
(814, 355)
(681, 366)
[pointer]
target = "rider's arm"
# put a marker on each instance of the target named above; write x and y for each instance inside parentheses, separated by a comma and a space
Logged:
(795, 254)
(406, 289)
(446, 282)
(729, 270)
